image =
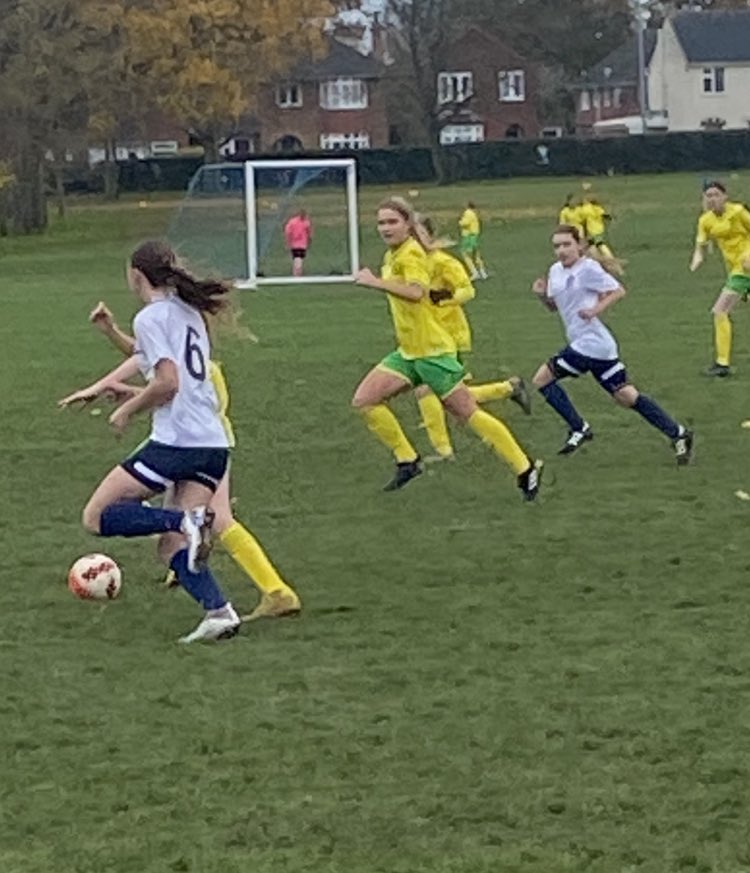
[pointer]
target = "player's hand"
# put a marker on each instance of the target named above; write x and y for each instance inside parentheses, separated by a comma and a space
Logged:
(587, 314)
(84, 396)
(121, 391)
(101, 317)
(119, 420)
(367, 278)
(539, 286)
(438, 295)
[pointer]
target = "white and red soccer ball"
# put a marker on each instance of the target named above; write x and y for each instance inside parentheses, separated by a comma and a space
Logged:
(95, 577)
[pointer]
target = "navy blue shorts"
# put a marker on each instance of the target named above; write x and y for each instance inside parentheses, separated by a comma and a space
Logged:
(610, 374)
(158, 466)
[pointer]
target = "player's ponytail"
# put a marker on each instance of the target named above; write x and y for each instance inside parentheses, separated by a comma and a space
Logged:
(611, 264)
(159, 264)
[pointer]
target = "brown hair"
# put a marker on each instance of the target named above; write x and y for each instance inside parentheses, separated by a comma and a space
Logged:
(569, 229)
(159, 264)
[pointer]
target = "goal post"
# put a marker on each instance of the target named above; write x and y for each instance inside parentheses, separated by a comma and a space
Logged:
(252, 169)
(233, 219)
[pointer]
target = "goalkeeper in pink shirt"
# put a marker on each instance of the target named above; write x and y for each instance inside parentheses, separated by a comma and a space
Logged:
(298, 236)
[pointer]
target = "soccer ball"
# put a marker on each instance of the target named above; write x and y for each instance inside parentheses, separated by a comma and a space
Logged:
(95, 577)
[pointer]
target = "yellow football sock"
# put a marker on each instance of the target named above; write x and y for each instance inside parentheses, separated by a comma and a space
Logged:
(249, 555)
(494, 432)
(723, 338)
(384, 424)
(491, 391)
(433, 418)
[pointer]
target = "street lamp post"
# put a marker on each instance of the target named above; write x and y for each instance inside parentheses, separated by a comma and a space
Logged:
(642, 14)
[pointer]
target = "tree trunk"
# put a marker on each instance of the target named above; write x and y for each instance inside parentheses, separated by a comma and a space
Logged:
(210, 149)
(28, 202)
(111, 173)
(57, 171)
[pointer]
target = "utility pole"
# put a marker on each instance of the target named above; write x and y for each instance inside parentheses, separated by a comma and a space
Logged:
(642, 14)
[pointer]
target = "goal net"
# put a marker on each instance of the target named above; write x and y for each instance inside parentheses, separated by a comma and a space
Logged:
(237, 220)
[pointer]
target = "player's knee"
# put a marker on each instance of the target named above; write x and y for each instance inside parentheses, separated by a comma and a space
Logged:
(361, 401)
(168, 546)
(542, 377)
(626, 396)
(223, 519)
(91, 518)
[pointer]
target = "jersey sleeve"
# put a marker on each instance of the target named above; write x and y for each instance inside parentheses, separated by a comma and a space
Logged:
(151, 339)
(702, 235)
(458, 281)
(599, 280)
(743, 217)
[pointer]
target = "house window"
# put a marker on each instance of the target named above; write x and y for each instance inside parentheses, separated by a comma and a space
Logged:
(289, 96)
(512, 86)
(455, 133)
(606, 98)
(585, 104)
(597, 101)
(455, 87)
(332, 142)
(164, 147)
(713, 80)
(343, 94)
(617, 97)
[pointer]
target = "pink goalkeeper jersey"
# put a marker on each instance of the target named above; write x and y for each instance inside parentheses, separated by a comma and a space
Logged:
(297, 232)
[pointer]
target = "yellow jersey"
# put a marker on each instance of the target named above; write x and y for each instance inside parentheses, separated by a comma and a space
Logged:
(448, 274)
(593, 216)
(469, 223)
(571, 215)
(418, 332)
(216, 376)
(731, 232)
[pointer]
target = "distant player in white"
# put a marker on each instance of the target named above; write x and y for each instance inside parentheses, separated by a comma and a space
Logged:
(580, 289)
(188, 445)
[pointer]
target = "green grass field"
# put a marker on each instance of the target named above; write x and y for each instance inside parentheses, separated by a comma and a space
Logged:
(476, 685)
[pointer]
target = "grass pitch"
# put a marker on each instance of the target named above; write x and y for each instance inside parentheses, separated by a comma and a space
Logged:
(475, 685)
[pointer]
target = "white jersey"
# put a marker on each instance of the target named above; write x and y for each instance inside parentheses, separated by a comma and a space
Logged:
(576, 288)
(169, 329)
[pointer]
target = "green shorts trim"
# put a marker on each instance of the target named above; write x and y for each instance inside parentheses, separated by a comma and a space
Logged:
(441, 373)
(739, 283)
(599, 239)
(469, 242)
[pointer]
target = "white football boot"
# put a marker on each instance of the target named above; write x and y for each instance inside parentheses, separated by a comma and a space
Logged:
(217, 624)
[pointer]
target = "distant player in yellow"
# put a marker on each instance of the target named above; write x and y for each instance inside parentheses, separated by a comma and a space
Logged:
(277, 599)
(471, 232)
(728, 225)
(570, 215)
(450, 290)
(426, 355)
(594, 218)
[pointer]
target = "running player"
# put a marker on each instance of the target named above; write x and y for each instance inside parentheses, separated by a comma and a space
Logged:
(728, 225)
(426, 356)
(277, 598)
(188, 445)
(470, 245)
(594, 218)
(450, 290)
(581, 290)
(570, 214)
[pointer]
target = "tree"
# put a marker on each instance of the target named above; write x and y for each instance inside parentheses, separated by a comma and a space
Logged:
(204, 60)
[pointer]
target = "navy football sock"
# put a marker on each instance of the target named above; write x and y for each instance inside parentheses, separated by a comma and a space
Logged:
(655, 415)
(133, 519)
(201, 586)
(560, 402)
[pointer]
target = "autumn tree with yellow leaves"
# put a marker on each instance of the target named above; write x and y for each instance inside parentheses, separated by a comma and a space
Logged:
(204, 60)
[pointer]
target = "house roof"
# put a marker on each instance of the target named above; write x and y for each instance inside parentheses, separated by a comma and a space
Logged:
(620, 67)
(722, 35)
(339, 60)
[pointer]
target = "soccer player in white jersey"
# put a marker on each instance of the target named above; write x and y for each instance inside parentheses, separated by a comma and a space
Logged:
(188, 445)
(580, 290)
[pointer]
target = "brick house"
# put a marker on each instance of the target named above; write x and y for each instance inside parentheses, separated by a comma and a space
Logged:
(609, 90)
(486, 91)
(337, 102)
